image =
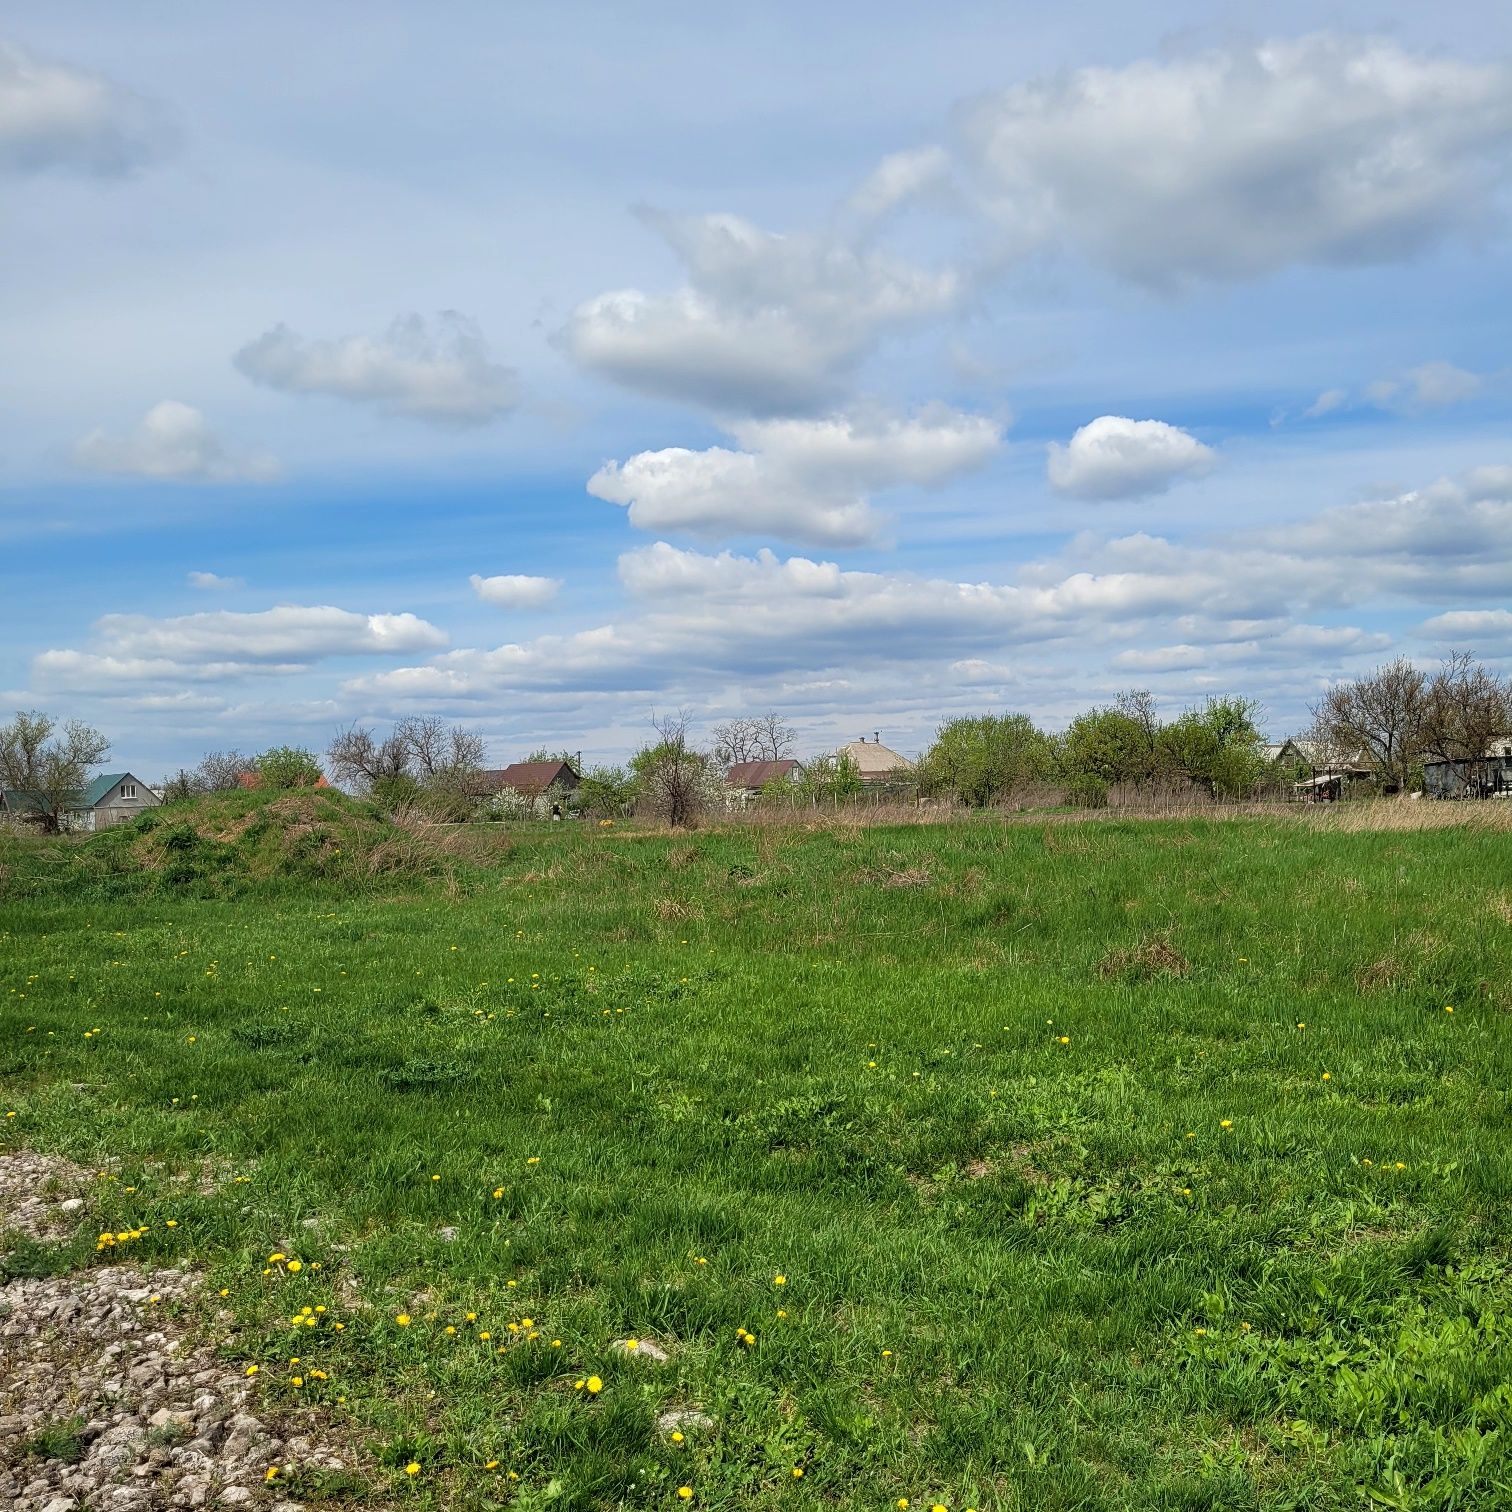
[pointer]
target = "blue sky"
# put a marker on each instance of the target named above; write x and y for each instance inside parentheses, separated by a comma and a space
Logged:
(542, 367)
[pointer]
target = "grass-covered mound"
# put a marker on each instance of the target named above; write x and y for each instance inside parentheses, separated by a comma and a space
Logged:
(226, 842)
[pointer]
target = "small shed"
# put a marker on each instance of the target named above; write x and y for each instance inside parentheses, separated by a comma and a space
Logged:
(1487, 776)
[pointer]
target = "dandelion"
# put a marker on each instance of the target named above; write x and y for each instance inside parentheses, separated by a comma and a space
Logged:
(253, 1369)
(1065, 1039)
(1327, 1076)
(402, 1319)
(902, 1504)
(294, 1267)
(492, 1465)
(797, 1472)
(685, 1493)
(594, 1385)
(779, 1280)
(1447, 1008)
(485, 1335)
(498, 1192)
(172, 1223)
(412, 1468)
(1225, 1123)
(677, 1436)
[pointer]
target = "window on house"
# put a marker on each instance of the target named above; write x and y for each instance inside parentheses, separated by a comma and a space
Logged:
(128, 790)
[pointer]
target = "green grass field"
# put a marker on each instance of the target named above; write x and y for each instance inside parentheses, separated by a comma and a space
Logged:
(1094, 1166)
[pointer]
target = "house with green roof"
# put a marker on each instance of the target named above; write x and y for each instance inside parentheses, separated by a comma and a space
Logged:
(111, 798)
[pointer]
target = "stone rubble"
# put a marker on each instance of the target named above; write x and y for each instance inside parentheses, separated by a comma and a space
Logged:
(149, 1419)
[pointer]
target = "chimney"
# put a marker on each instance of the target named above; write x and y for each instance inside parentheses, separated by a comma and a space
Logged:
(577, 765)
(876, 737)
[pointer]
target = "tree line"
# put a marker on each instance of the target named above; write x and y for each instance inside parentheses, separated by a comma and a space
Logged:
(1388, 722)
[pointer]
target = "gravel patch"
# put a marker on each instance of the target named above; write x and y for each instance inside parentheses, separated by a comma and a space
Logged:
(106, 1402)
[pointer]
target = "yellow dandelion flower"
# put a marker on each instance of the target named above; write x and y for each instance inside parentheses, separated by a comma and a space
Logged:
(677, 1436)
(294, 1267)
(685, 1493)
(412, 1468)
(402, 1319)
(253, 1369)
(594, 1385)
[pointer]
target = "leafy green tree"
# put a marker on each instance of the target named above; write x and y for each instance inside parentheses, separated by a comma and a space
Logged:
(982, 758)
(49, 763)
(1111, 744)
(828, 778)
(1217, 747)
(606, 792)
(288, 767)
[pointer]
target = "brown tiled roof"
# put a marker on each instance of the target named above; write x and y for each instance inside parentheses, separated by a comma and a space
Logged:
(755, 774)
(527, 777)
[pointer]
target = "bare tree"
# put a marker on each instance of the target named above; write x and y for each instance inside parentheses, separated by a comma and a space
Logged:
(217, 772)
(1465, 707)
(671, 777)
(759, 737)
(421, 748)
(436, 748)
(50, 765)
(358, 759)
(1381, 716)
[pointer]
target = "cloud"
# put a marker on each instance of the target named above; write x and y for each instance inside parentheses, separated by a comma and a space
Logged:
(1236, 162)
(795, 479)
(174, 443)
(1115, 458)
(437, 372)
(765, 324)
(222, 644)
(515, 590)
(1485, 630)
(900, 179)
(57, 117)
(1326, 403)
(1429, 386)
(214, 582)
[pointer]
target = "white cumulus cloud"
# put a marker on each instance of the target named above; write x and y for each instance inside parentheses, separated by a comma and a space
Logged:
(765, 324)
(515, 590)
(214, 582)
(437, 371)
(55, 116)
(1238, 161)
(796, 479)
(222, 644)
(1116, 458)
(173, 443)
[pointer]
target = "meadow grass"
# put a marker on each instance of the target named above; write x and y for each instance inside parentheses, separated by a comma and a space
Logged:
(1102, 1166)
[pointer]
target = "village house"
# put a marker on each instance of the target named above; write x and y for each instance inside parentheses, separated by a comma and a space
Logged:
(746, 779)
(530, 779)
(110, 799)
(1324, 776)
(875, 763)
